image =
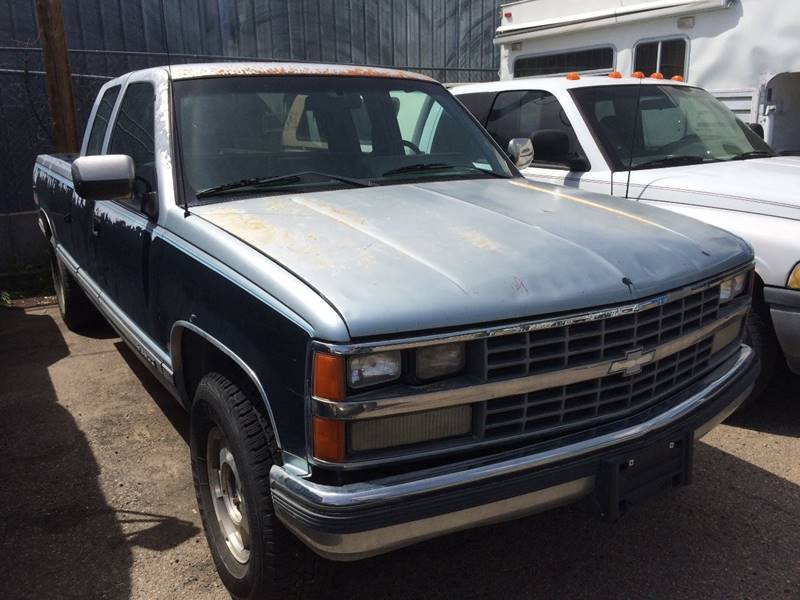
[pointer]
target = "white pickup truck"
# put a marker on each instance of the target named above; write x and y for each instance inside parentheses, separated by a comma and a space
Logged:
(671, 145)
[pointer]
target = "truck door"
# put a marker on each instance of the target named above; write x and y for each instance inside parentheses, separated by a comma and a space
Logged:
(121, 234)
(80, 210)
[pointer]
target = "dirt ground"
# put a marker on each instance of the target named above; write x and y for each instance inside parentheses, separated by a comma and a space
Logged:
(96, 501)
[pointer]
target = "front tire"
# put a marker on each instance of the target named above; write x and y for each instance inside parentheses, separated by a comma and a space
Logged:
(760, 336)
(232, 450)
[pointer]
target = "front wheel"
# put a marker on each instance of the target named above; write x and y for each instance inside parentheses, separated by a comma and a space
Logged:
(232, 450)
(760, 336)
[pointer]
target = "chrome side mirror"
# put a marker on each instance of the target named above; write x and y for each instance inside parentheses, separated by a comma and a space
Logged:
(521, 152)
(104, 177)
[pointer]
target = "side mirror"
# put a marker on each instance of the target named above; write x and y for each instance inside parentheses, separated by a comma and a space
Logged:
(758, 128)
(521, 152)
(104, 177)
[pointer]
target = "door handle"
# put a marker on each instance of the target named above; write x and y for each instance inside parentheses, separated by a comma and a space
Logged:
(95, 226)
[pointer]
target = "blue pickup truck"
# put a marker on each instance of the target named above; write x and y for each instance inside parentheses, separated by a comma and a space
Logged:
(382, 332)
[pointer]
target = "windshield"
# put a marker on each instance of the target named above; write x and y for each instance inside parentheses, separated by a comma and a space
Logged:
(674, 125)
(298, 134)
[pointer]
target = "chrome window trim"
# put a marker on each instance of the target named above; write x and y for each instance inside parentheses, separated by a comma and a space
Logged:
(396, 405)
(527, 326)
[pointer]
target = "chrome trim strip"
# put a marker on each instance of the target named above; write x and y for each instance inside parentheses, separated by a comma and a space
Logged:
(174, 340)
(537, 325)
(362, 544)
(392, 489)
(384, 407)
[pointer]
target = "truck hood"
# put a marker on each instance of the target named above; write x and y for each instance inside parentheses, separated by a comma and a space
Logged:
(415, 257)
(765, 186)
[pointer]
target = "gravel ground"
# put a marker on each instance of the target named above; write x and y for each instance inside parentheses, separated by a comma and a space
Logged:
(97, 501)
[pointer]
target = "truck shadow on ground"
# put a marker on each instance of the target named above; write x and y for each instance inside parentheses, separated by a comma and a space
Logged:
(777, 411)
(58, 535)
(168, 405)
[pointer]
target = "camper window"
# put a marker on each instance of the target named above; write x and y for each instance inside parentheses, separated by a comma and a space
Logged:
(594, 59)
(667, 57)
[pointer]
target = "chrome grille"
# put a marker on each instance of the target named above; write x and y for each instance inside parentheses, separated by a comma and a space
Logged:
(586, 403)
(558, 348)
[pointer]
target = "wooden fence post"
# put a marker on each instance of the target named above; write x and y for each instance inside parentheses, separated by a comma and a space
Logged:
(50, 21)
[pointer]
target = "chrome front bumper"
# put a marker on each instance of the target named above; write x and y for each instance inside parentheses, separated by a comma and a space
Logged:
(358, 520)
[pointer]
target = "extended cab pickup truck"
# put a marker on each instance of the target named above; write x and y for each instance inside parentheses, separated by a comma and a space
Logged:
(686, 151)
(381, 330)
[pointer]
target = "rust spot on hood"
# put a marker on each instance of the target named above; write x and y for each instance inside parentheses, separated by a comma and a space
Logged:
(479, 240)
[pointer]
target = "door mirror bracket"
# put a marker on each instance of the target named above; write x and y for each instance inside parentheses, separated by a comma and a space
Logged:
(150, 205)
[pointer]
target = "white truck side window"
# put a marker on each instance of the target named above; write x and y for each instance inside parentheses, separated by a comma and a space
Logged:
(523, 114)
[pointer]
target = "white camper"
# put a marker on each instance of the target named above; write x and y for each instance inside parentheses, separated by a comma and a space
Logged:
(745, 52)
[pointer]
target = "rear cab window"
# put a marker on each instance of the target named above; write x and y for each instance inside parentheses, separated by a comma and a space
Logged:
(100, 123)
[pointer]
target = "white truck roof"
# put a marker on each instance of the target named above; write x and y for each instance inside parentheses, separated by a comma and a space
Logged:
(559, 83)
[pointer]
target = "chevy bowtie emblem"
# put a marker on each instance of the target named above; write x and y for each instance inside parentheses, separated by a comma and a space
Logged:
(632, 363)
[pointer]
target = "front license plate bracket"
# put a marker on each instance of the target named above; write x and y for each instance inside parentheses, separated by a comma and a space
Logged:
(631, 478)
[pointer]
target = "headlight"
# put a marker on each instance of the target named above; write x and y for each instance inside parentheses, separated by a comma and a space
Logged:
(432, 362)
(371, 369)
(794, 278)
(732, 287)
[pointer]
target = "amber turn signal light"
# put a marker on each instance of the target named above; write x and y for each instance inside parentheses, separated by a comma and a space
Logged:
(615, 75)
(637, 75)
(573, 76)
(328, 377)
(677, 78)
(657, 75)
(328, 439)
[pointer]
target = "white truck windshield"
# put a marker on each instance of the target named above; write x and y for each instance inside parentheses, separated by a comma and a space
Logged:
(673, 125)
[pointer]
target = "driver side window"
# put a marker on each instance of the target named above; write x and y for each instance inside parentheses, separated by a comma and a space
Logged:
(134, 135)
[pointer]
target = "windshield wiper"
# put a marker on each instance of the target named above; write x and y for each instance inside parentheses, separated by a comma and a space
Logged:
(752, 154)
(427, 167)
(674, 161)
(267, 182)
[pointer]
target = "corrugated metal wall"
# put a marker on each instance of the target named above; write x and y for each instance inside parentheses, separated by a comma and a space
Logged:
(450, 40)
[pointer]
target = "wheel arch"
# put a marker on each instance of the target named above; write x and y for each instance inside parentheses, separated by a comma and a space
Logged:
(45, 226)
(210, 353)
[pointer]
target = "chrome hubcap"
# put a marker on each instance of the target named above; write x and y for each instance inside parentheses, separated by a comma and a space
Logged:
(226, 494)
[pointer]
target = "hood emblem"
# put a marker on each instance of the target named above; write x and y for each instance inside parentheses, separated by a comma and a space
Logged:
(632, 363)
